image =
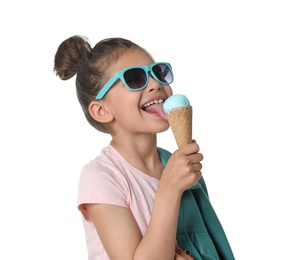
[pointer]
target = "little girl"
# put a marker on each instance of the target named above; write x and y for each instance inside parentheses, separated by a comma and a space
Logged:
(132, 195)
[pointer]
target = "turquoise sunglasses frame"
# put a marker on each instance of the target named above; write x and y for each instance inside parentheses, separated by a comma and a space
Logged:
(120, 75)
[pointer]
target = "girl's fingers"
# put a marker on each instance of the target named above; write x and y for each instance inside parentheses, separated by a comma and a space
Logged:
(181, 255)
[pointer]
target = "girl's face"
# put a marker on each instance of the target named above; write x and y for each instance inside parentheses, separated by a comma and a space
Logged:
(130, 109)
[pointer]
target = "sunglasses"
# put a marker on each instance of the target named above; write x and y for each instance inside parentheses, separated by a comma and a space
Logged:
(137, 77)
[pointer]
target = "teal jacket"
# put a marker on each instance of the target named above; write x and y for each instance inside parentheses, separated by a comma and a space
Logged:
(199, 232)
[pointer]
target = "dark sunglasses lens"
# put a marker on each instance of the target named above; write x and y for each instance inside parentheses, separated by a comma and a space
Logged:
(163, 73)
(135, 78)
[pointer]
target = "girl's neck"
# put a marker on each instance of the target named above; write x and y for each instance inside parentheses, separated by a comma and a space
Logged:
(141, 152)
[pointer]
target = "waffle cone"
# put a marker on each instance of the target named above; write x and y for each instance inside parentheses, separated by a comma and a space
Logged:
(180, 120)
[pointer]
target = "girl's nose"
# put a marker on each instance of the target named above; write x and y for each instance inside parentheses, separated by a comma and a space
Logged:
(153, 84)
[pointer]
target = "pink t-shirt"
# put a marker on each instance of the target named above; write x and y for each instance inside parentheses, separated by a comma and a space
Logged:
(110, 179)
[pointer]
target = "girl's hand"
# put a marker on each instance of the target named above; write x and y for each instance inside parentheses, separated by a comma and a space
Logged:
(183, 169)
(181, 255)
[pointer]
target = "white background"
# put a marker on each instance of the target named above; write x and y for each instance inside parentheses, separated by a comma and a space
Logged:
(231, 58)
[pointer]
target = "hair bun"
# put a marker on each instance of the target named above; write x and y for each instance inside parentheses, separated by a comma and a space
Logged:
(71, 55)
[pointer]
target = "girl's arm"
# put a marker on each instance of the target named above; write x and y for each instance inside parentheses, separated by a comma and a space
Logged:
(122, 238)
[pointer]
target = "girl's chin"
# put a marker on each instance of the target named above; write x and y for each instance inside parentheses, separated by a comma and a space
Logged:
(164, 128)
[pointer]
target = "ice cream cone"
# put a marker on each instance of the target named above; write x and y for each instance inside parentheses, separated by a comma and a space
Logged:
(180, 120)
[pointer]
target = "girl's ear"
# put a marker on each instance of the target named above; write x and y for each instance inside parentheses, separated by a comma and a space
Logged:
(100, 112)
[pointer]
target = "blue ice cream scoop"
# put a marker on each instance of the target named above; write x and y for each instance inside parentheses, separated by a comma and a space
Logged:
(175, 101)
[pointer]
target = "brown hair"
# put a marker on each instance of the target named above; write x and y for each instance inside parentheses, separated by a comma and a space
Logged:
(75, 56)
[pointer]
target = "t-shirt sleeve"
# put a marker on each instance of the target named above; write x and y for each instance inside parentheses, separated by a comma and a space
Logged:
(101, 184)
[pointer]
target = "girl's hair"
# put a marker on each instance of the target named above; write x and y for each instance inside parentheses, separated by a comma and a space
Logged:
(91, 66)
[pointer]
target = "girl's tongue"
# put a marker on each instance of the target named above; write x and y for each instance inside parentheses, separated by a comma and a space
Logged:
(157, 109)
